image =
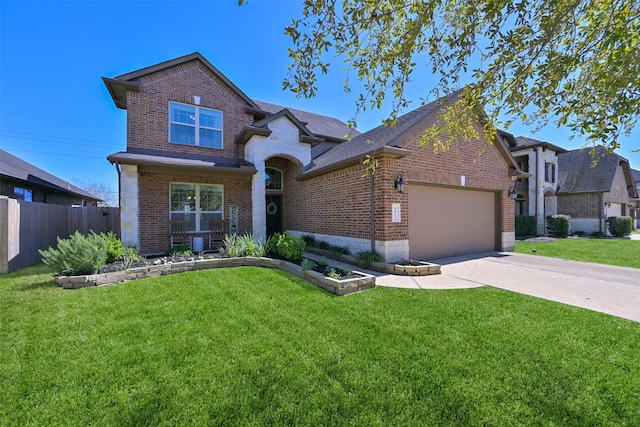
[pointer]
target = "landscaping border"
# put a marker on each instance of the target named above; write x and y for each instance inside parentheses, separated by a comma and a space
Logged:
(337, 287)
(422, 269)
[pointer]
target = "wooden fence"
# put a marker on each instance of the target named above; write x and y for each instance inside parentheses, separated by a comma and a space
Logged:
(26, 227)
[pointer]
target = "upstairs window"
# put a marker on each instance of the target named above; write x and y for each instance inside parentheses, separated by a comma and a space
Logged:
(550, 172)
(193, 125)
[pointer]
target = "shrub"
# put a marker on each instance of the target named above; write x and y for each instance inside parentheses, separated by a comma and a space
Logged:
(129, 256)
(290, 247)
(597, 234)
(559, 225)
(308, 264)
(368, 257)
(620, 226)
(250, 246)
(114, 247)
(525, 225)
(78, 254)
(233, 246)
(179, 250)
(272, 243)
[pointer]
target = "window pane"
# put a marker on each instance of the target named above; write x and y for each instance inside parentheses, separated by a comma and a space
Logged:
(274, 181)
(205, 220)
(189, 218)
(183, 197)
(183, 114)
(183, 134)
(210, 198)
(210, 118)
(210, 138)
(28, 195)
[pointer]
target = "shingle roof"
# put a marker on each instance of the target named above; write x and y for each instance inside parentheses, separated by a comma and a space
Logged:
(636, 175)
(316, 123)
(17, 169)
(577, 174)
(378, 137)
(526, 142)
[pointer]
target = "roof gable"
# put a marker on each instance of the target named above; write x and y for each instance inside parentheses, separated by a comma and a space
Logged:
(118, 86)
(523, 142)
(578, 174)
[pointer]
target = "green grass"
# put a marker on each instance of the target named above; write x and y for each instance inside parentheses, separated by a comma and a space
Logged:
(620, 252)
(251, 346)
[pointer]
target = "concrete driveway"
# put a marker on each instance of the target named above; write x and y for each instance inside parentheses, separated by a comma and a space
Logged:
(603, 288)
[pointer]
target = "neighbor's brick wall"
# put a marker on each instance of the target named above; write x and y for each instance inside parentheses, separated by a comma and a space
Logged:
(148, 110)
(154, 206)
(582, 205)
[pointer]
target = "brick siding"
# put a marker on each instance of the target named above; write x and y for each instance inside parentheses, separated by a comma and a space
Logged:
(581, 205)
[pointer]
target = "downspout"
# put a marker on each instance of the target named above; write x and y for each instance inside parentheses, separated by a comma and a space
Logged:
(117, 165)
(372, 225)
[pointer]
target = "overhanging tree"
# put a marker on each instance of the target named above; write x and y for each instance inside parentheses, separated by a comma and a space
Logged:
(572, 62)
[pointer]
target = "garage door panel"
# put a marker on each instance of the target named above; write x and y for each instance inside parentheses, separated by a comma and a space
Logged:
(448, 221)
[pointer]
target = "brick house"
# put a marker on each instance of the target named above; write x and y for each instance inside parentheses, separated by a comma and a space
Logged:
(198, 148)
(23, 181)
(590, 193)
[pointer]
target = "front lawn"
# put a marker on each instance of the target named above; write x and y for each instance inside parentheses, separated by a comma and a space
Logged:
(254, 346)
(620, 252)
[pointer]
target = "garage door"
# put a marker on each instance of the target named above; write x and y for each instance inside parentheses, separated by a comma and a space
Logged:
(446, 222)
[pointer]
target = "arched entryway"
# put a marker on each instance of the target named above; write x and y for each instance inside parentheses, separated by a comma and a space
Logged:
(282, 193)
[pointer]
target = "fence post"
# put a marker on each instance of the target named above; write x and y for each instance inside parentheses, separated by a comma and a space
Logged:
(9, 232)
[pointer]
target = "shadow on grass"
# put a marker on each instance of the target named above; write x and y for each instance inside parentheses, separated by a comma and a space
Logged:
(38, 276)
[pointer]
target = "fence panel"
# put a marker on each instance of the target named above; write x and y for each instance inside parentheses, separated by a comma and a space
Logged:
(26, 227)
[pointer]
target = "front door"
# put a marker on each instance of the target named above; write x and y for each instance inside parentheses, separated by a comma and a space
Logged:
(274, 214)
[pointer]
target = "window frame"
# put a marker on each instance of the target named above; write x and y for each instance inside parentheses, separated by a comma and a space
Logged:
(196, 126)
(198, 211)
(281, 179)
(20, 193)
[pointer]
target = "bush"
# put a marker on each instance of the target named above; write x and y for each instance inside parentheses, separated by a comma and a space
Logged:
(526, 225)
(368, 257)
(179, 250)
(272, 243)
(250, 246)
(114, 247)
(308, 264)
(290, 247)
(232, 246)
(559, 225)
(78, 254)
(620, 226)
(309, 240)
(129, 256)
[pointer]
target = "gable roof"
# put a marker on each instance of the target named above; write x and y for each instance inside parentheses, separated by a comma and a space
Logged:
(19, 170)
(387, 138)
(523, 142)
(322, 126)
(576, 173)
(635, 175)
(119, 85)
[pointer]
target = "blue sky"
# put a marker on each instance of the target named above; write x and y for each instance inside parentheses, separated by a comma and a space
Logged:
(56, 113)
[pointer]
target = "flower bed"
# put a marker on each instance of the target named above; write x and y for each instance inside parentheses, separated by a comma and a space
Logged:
(414, 268)
(357, 282)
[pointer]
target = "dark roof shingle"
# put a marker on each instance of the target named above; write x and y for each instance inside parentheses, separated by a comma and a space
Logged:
(577, 173)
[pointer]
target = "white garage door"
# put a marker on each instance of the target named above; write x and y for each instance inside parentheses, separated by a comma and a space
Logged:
(447, 222)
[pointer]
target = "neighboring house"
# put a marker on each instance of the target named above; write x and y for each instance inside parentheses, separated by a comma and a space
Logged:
(636, 183)
(536, 196)
(198, 148)
(594, 187)
(24, 181)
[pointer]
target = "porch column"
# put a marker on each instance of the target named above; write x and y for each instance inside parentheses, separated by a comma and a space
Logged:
(129, 206)
(258, 194)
